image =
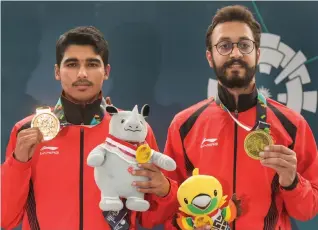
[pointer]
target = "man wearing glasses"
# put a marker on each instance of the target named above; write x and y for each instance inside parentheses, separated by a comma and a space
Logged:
(258, 149)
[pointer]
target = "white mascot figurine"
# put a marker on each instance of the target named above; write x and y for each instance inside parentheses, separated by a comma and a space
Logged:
(119, 155)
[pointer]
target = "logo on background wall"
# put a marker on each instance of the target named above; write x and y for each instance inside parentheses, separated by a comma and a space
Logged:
(294, 74)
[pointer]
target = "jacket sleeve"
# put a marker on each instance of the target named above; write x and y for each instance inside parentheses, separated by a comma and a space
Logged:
(174, 149)
(302, 201)
(15, 178)
(160, 207)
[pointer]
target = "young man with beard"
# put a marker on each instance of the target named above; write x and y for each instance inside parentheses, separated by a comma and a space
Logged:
(225, 136)
(47, 184)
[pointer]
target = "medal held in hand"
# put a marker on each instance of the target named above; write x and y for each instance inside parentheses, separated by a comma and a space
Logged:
(259, 136)
(255, 143)
(47, 122)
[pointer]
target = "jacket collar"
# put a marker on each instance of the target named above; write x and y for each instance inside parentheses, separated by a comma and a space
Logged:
(72, 113)
(245, 101)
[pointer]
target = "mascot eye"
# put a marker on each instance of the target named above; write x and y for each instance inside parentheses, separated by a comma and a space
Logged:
(123, 120)
(215, 193)
(141, 122)
(185, 200)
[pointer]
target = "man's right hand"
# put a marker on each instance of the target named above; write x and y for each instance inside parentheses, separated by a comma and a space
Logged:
(27, 141)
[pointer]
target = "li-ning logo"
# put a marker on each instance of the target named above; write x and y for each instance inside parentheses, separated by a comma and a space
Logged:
(293, 74)
(209, 142)
(48, 150)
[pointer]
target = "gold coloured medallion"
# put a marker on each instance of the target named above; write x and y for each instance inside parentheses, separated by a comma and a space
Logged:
(201, 221)
(255, 143)
(143, 153)
(47, 122)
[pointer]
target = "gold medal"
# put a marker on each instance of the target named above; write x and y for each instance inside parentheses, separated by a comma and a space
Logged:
(143, 153)
(201, 221)
(255, 143)
(47, 122)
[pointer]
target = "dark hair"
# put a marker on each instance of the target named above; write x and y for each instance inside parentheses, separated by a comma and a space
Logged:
(234, 13)
(82, 35)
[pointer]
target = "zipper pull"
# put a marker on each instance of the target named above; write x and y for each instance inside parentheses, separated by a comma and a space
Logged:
(236, 112)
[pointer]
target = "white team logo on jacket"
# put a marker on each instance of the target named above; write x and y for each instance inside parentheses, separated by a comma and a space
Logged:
(49, 150)
(209, 142)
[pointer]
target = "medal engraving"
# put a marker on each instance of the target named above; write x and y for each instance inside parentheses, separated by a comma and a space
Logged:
(47, 122)
(143, 153)
(255, 143)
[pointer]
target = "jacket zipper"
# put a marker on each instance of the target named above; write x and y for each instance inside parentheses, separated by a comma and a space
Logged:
(81, 227)
(235, 157)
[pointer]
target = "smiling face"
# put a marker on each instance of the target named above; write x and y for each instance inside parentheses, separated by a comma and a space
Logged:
(127, 125)
(234, 65)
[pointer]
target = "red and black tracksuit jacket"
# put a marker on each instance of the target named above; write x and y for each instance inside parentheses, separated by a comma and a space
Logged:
(204, 136)
(55, 190)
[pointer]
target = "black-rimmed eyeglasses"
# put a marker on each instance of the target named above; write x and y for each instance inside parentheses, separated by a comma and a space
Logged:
(245, 46)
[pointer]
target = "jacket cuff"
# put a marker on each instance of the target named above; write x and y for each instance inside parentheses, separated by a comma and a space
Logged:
(170, 198)
(295, 188)
(293, 185)
(21, 166)
(171, 194)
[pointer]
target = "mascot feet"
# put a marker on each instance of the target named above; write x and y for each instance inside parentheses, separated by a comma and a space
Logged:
(108, 204)
(137, 204)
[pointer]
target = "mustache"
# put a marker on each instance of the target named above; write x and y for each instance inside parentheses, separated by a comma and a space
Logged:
(235, 61)
(82, 82)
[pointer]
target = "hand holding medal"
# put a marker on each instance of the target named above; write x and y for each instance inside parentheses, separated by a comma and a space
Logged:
(259, 145)
(283, 160)
(158, 184)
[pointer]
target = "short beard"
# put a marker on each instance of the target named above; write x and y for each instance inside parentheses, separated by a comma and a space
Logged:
(234, 81)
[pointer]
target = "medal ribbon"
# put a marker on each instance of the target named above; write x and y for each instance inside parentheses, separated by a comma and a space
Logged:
(261, 107)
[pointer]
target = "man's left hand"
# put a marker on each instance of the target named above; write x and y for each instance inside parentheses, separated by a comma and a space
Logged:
(157, 184)
(283, 160)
